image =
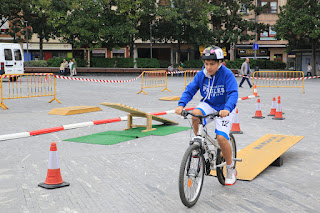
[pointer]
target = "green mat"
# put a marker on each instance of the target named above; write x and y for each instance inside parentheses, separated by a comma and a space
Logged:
(113, 137)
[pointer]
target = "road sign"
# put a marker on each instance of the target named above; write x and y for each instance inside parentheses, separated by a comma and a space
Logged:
(255, 46)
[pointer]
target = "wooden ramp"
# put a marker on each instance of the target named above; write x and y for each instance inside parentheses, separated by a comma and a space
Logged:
(170, 98)
(134, 112)
(74, 110)
(257, 156)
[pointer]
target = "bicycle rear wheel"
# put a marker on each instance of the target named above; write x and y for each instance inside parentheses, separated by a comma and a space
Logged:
(191, 176)
(222, 171)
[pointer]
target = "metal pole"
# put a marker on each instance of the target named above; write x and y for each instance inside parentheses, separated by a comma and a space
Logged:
(150, 39)
(27, 41)
(255, 31)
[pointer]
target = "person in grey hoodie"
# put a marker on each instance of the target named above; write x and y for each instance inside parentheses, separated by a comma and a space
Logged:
(245, 71)
(219, 90)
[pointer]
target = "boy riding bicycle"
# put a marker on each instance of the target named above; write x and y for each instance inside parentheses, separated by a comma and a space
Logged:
(219, 90)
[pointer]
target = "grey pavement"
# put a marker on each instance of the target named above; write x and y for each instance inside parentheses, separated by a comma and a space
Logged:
(141, 175)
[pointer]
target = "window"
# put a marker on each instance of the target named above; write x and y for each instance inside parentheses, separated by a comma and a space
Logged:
(118, 53)
(243, 9)
(268, 35)
(17, 55)
(98, 53)
(272, 6)
(8, 54)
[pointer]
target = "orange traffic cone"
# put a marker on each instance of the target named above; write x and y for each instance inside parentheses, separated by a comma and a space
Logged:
(258, 110)
(273, 107)
(235, 129)
(277, 104)
(54, 179)
(255, 92)
(278, 115)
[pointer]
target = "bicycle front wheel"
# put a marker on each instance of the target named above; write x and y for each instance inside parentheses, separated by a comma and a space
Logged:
(191, 175)
(222, 171)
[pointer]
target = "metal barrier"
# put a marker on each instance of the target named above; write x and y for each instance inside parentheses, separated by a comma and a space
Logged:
(151, 79)
(294, 79)
(188, 77)
(27, 86)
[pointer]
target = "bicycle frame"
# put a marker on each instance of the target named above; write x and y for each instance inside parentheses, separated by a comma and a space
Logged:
(202, 138)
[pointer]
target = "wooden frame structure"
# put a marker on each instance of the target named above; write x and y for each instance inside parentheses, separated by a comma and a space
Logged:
(134, 112)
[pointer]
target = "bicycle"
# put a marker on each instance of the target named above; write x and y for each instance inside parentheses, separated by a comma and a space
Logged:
(200, 159)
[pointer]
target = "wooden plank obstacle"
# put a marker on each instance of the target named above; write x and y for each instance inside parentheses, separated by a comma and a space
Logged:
(134, 112)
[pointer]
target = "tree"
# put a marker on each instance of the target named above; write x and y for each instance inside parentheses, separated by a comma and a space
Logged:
(299, 23)
(38, 13)
(228, 24)
(9, 10)
(138, 16)
(184, 21)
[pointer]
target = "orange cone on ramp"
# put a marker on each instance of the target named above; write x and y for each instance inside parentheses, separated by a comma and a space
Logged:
(235, 129)
(258, 113)
(278, 115)
(54, 179)
(273, 107)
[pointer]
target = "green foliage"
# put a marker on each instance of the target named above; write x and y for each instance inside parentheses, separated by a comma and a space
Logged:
(183, 21)
(193, 64)
(56, 62)
(229, 25)
(236, 64)
(262, 64)
(147, 63)
(112, 62)
(33, 63)
(164, 64)
(299, 23)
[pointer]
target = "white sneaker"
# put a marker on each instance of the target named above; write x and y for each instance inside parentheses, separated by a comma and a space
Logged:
(231, 178)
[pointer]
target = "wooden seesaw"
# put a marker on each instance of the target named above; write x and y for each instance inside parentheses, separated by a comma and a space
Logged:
(134, 112)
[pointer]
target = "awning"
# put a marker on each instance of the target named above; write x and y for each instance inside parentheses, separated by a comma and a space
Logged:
(260, 57)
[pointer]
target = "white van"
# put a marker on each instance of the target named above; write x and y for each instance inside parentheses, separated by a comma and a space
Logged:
(11, 59)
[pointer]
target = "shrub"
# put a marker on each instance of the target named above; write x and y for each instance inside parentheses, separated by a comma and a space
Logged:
(33, 63)
(164, 64)
(193, 64)
(236, 64)
(112, 62)
(147, 63)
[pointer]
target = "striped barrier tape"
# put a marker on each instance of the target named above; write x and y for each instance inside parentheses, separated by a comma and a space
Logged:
(86, 124)
(76, 125)
(278, 79)
(96, 80)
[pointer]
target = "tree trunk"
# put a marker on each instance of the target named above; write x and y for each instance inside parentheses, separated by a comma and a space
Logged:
(314, 69)
(131, 46)
(41, 46)
(179, 52)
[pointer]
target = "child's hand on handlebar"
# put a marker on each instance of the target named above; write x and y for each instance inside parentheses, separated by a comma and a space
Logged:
(224, 113)
(178, 110)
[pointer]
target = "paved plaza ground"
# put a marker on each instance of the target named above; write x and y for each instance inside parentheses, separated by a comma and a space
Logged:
(141, 175)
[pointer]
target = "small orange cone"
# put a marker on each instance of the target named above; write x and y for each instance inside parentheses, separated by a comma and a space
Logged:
(54, 179)
(278, 115)
(273, 107)
(235, 129)
(258, 110)
(255, 92)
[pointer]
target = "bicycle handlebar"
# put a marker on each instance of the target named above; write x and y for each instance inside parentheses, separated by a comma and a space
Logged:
(185, 113)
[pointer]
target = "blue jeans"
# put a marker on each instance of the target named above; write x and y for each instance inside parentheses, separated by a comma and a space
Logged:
(243, 79)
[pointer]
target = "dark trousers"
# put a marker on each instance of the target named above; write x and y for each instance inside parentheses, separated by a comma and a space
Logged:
(308, 74)
(243, 79)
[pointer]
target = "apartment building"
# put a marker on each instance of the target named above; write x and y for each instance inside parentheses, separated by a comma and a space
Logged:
(269, 47)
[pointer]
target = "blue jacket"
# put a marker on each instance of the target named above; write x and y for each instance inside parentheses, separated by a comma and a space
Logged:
(219, 91)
